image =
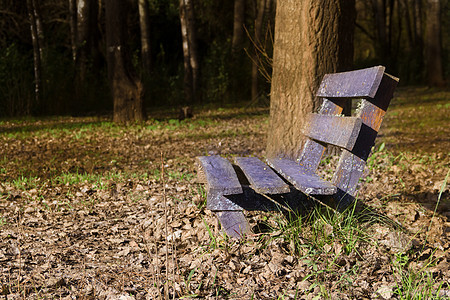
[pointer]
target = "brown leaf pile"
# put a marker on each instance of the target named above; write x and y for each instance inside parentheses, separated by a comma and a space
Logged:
(86, 212)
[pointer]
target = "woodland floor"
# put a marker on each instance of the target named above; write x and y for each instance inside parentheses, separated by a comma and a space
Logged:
(84, 207)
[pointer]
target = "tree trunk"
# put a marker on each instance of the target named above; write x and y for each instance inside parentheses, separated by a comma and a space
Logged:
(87, 37)
(37, 54)
(83, 44)
(412, 15)
(260, 9)
(40, 30)
(73, 27)
(126, 89)
(380, 21)
(191, 62)
(239, 63)
(144, 23)
(311, 39)
(433, 44)
(237, 41)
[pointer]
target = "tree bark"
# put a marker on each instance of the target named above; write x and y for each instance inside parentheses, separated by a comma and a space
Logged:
(144, 23)
(87, 37)
(381, 28)
(73, 27)
(83, 41)
(191, 61)
(40, 30)
(126, 88)
(260, 9)
(238, 26)
(311, 39)
(435, 72)
(37, 53)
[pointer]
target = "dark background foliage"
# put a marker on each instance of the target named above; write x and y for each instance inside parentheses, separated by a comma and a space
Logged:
(224, 79)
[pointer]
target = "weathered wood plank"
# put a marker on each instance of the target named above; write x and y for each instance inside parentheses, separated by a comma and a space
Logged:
(349, 171)
(261, 177)
(234, 223)
(351, 163)
(217, 201)
(305, 180)
(354, 84)
(311, 155)
(220, 175)
(334, 130)
(313, 151)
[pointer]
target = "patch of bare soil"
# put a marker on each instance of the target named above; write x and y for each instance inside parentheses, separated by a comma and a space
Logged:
(89, 210)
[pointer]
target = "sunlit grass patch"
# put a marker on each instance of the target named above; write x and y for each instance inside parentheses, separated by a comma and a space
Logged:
(77, 178)
(415, 279)
(26, 183)
(323, 230)
(417, 119)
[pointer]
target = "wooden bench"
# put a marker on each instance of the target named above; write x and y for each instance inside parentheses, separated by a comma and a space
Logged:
(228, 194)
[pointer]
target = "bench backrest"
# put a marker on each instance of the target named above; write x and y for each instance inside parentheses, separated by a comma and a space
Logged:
(355, 135)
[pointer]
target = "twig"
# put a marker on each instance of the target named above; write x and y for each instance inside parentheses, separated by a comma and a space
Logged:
(158, 270)
(20, 251)
(173, 259)
(166, 285)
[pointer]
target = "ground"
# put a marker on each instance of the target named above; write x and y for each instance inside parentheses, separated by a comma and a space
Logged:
(90, 209)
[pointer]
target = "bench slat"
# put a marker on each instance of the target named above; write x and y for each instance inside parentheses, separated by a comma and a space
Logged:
(350, 169)
(234, 223)
(313, 151)
(303, 179)
(220, 175)
(261, 177)
(355, 84)
(334, 130)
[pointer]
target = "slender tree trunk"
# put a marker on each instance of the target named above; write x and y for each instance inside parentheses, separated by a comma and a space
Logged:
(40, 30)
(126, 88)
(191, 61)
(73, 27)
(260, 9)
(238, 63)
(418, 19)
(37, 54)
(237, 41)
(83, 41)
(87, 38)
(409, 29)
(193, 51)
(311, 39)
(411, 10)
(188, 90)
(382, 35)
(144, 22)
(435, 72)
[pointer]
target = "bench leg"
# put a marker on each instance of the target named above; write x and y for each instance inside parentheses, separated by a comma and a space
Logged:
(234, 223)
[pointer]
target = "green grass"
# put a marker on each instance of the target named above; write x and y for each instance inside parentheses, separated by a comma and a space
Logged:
(415, 283)
(320, 230)
(26, 183)
(99, 181)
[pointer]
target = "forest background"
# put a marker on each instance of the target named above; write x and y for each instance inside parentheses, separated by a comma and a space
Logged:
(53, 54)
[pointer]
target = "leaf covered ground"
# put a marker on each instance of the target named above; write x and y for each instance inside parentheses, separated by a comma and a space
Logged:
(93, 210)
